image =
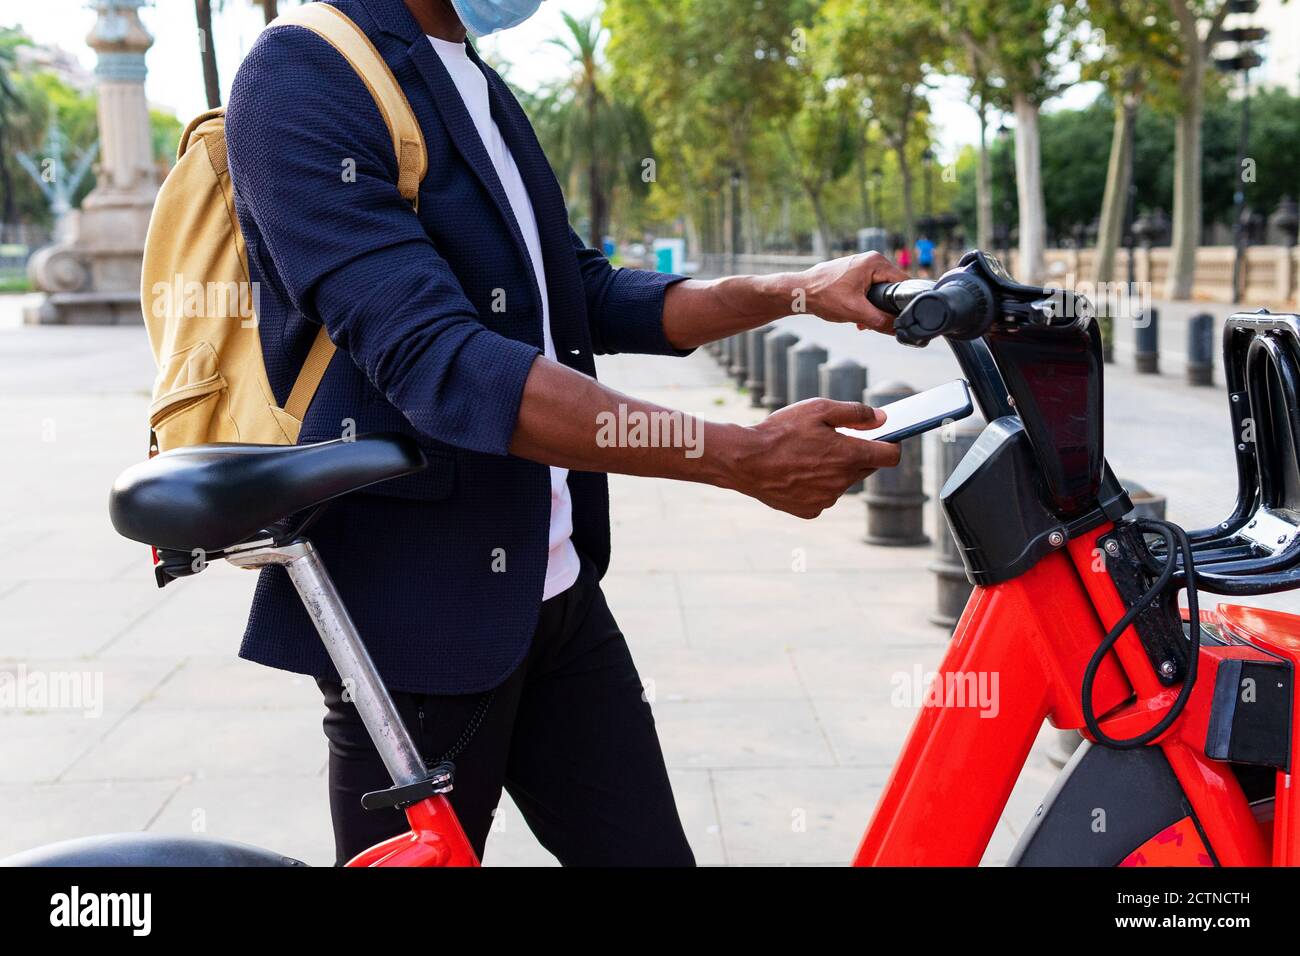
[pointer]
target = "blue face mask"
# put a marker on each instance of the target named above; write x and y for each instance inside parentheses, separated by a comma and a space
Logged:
(482, 17)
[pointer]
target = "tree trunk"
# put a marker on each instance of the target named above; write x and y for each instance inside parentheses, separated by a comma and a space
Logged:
(596, 200)
(1114, 202)
(823, 234)
(595, 190)
(7, 204)
(270, 10)
(909, 220)
(208, 52)
(1187, 182)
(1029, 184)
(864, 194)
(983, 188)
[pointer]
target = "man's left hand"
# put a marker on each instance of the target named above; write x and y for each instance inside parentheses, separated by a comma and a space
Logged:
(836, 290)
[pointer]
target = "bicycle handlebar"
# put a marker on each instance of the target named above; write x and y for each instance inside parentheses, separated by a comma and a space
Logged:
(894, 297)
(958, 306)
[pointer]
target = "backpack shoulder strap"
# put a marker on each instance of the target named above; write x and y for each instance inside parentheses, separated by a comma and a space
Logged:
(334, 26)
(337, 29)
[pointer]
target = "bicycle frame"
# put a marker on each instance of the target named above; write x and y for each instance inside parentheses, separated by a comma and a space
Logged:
(1036, 632)
(436, 837)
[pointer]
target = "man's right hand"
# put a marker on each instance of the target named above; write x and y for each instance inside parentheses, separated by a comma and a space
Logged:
(795, 460)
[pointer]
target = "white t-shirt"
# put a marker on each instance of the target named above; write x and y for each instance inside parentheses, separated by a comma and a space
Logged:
(562, 561)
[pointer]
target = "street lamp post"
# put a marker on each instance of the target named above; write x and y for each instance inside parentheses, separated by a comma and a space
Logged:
(1245, 59)
(1004, 138)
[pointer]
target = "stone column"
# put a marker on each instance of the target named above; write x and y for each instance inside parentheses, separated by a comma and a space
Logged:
(93, 274)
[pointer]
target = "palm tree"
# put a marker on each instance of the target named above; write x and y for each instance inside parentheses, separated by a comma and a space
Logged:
(11, 103)
(587, 131)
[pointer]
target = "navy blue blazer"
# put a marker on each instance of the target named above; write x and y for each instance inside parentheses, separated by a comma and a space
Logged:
(437, 318)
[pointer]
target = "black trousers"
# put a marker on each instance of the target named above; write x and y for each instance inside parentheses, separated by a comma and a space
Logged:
(569, 735)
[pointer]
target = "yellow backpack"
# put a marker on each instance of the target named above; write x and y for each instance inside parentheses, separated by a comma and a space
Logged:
(200, 306)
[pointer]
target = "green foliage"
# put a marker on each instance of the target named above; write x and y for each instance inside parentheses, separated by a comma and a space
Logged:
(29, 100)
(1076, 145)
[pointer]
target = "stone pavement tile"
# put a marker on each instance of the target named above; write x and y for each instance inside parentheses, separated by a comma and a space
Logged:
(49, 619)
(868, 732)
(90, 686)
(204, 614)
(650, 626)
(39, 747)
(224, 682)
(155, 742)
(70, 557)
(288, 813)
(511, 843)
(795, 815)
(756, 591)
(753, 672)
(862, 631)
(37, 814)
(649, 590)
(1001, 845)
(871, 674)
(740, 733)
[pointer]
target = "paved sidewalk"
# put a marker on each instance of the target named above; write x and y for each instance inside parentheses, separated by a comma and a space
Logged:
(770, 646)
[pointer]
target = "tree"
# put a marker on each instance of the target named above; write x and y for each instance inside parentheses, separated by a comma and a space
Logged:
(1016, 47)
(820, 140)
(208, 53)
(588, 129)
(1196, 26)
(11, 104)
(882, 54)
(1133, 46)
(710, 75)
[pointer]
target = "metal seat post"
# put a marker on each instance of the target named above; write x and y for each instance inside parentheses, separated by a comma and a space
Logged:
(346, 650)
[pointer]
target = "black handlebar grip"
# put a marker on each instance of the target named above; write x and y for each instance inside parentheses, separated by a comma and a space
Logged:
(881, 295)
(961, 307)
(893, 297)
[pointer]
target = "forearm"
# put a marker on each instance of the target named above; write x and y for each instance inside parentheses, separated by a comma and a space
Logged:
(698, 311)
(572, 421)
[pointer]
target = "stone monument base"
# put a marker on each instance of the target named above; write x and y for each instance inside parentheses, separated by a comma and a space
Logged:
(86, 308)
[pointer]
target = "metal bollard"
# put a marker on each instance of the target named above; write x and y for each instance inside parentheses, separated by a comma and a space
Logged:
(843, 381)
(1147, 342)
(893, 496)
(1146, 504)
(801, 376)
(775, 348)
(754, 351)
(724, 354)
(952, 589)
(739, 357)
(1200, 349)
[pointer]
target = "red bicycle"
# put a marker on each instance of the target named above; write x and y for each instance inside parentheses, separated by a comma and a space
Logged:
(1188, 716)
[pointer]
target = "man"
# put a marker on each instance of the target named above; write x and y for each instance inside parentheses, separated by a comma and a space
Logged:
(471, 325)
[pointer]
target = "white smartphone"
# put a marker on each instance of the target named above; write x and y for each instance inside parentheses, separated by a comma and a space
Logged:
(919, 413)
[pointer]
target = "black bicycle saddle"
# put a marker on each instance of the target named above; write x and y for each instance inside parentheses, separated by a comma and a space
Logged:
(211, 497)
